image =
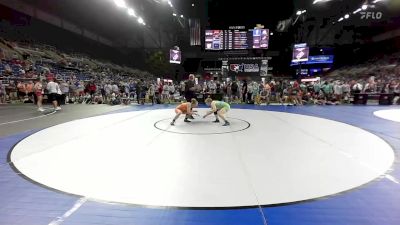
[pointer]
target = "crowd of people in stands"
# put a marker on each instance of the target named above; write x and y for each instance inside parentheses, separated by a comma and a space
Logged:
(65, 80)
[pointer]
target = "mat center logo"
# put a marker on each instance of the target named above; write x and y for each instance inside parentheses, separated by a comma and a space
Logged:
(245, 68)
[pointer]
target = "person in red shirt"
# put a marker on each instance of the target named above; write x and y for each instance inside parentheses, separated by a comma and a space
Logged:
(91, 89)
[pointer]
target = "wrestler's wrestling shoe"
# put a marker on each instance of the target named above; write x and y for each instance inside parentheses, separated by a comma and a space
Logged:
(226, 123)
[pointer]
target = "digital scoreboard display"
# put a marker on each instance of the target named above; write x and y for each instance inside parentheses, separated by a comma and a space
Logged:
(214, 40)
(260, 38)
(300, 53)
(237, 39)
(175, 56)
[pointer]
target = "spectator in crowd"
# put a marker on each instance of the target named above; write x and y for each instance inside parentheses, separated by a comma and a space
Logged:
(21, 91)
(2, 55)
(165, 93)
(212, 87)
(139, 87)
(29, 91)
(53, 90)
(171, 89)
(108, 87)
(64, 86)
(244, 91)
(2, 93)
(38, 88)
(151, 93)
(235, 91)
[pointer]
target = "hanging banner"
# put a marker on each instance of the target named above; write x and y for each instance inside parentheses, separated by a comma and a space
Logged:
(247, 67)
(264, 68)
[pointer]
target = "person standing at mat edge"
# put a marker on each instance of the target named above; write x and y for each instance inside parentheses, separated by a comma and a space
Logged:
(54, 90)
(187, 109)
(189, 88)
(219, 109)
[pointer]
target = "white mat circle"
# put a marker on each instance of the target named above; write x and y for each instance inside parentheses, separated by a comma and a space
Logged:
(281, 158)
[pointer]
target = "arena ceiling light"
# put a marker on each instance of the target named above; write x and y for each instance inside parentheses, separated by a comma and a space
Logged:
(174, 14)
(346, 16)
(341, 19)
(120, 3)
(131, 12)
(357, 11)
(319, 1)
(376, 1)
(364, 7)
(299, 12)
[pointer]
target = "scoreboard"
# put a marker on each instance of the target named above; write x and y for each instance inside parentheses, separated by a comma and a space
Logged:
(236, 39)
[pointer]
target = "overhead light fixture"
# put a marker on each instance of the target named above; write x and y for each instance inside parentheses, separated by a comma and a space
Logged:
(364, 7)
(193, 4)
(318, 1)
(299, 12)
(346, 16)
(174, 14)
(376, 1)
(140, 20)
(181, 16)
(357, 11)
(341, 18)
(131, 12)
(120, 3)
(272, 33)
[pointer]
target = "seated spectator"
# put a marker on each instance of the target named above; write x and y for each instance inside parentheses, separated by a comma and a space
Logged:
(2, 93)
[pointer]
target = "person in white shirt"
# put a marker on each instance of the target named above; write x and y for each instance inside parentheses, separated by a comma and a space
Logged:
(115, 89)
(64, 86)
(357, 88)
(337, 90)
(346, 92)
(151, 93)
(165, 93)
(212, 86)
(53, 89)
(108, 89)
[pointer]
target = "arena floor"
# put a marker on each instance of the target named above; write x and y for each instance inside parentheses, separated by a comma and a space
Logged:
(94, 164)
